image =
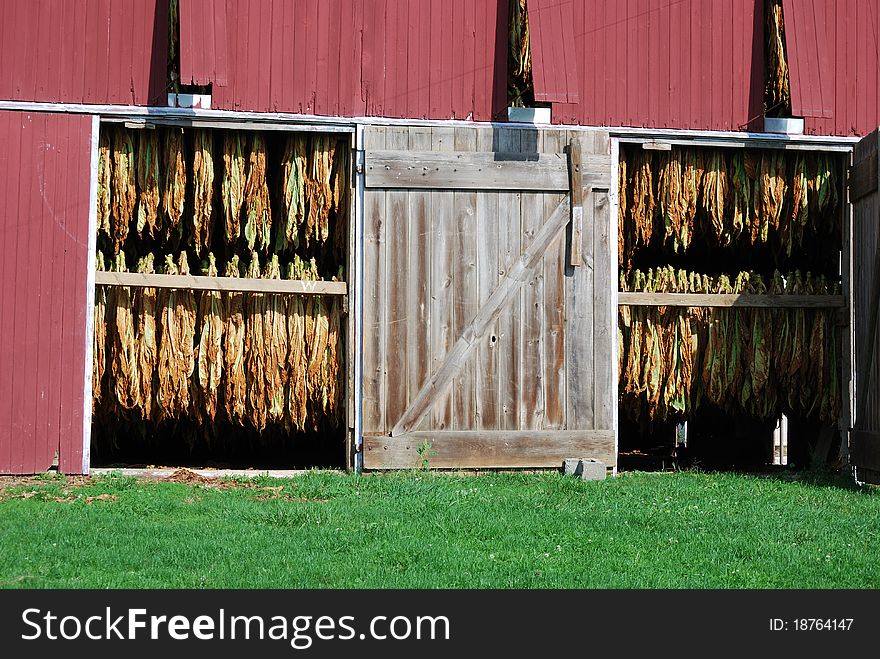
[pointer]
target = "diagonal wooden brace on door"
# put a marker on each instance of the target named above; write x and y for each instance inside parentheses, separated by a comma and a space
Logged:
(520, 273)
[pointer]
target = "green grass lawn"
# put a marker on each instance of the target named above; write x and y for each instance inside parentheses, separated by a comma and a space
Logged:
(419, 530)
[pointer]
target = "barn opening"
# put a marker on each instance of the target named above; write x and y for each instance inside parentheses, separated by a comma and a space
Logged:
(731, 321)
(221, 300)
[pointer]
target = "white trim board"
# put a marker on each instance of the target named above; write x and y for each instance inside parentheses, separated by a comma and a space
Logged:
(108, 112)
(90, 295)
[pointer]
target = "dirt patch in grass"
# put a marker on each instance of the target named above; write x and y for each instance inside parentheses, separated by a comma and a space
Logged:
(13, 482)
(66, 496)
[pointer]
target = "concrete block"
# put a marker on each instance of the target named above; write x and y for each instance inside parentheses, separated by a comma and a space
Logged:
(586, 469)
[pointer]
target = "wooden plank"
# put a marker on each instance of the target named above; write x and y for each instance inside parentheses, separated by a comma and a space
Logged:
(487, 223)
(579, 372)
(223, 284)
(604, 313)
(866, 408)
(399, 279)
(352, 319)
(464, 286)
(418, 324)
(577, 202)
(442, 240)
(477, 326)
(466, 170)
(509, 335)
(554, 309)
(375, 325)
(488, 450)
(863, 179)
(732, 300)
(531, 404)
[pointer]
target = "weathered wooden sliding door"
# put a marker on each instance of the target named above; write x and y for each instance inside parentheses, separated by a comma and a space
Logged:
(864, 195)
(483, 345)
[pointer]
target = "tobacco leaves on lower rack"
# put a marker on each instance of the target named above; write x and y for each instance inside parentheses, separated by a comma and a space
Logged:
(754, 361)
(248, 359)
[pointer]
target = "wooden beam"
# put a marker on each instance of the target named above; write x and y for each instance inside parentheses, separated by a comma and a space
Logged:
(725, 300)
(577, 202)
(450, 449)
(462, 170)
(863, 379)
(863, 178)
(224, 284)
(477, 326)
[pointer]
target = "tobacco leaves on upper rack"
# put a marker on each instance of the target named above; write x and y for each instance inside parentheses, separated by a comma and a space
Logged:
(164, 190)
(696, 198)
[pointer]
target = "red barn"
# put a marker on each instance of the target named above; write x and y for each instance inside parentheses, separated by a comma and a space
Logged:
(453, 351)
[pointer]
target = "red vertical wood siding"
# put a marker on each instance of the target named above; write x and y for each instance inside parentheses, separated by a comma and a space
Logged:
(551, 40)
(806, 41)
(419, 59)
(44, 235)
(692, 64)
(84, 51)
(203, 42)
(851, 33)
(689, 64)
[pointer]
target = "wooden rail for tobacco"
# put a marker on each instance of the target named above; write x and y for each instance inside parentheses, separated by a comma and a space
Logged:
(222, 284)
(728, 300)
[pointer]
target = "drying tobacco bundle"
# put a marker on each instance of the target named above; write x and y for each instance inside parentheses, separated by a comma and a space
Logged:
(176, 345)
(258, 224)
(519, 80)
(741, 191)
(147, 351)
(210, 355)
(319, 189)
(643, 202)
(275, 344)
(671, 203)
(623, 248)
(773, 188)
(124, 187)
(148, 182)
(123, 350)
(233, 186)
(297, 355)
(778, 92)
(175, 181)
(258, 395)
(293, 172)
(317, 333)
(99, 341)
(105, 178)
(203, 189)
(235, 375)
(690, 192)
(715, 189)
